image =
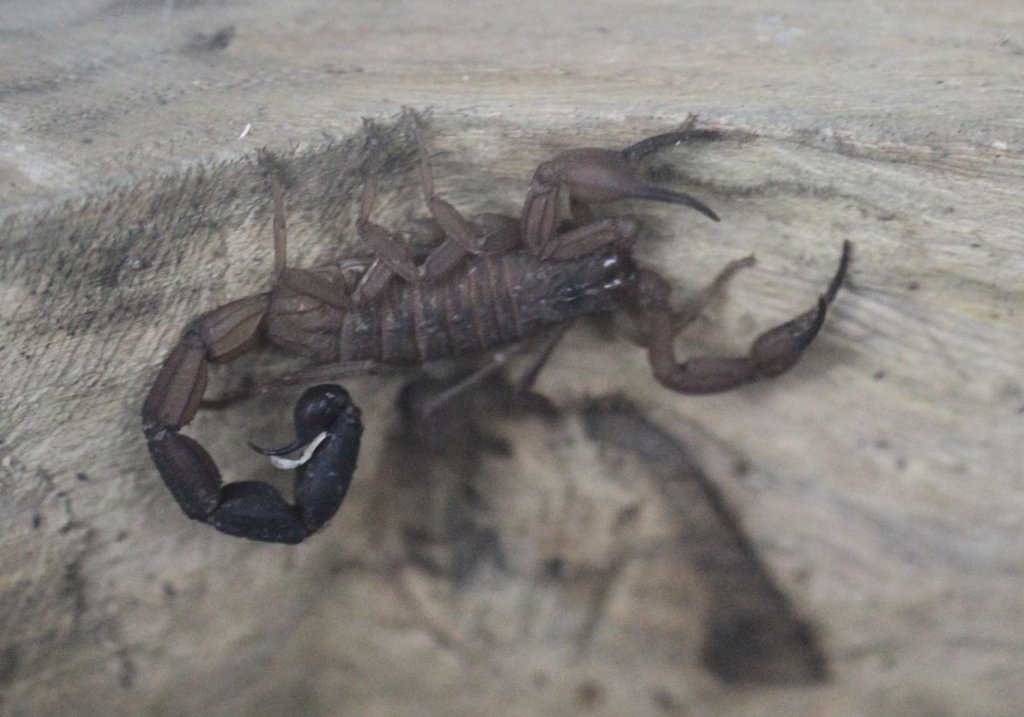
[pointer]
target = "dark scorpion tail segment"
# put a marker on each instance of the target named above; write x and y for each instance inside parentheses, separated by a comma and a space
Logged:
(256, 510)
(773, 352)
(314, 413)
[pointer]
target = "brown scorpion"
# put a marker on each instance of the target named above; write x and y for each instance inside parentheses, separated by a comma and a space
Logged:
(489, 283)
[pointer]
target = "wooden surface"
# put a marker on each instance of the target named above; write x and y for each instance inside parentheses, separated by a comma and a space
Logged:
(879, 485)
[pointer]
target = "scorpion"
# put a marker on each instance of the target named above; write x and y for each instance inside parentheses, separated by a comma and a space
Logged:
(487, 284)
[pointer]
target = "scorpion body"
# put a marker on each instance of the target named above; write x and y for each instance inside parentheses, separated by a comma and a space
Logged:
(489, 283)
(485, 303)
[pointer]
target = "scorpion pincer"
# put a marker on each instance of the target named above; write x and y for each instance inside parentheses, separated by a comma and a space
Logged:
(490, 282)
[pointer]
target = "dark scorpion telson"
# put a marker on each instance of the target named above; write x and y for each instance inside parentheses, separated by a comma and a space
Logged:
(490, 282)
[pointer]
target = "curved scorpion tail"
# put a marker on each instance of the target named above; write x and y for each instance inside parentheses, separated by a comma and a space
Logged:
(256, 510)
(325, 418)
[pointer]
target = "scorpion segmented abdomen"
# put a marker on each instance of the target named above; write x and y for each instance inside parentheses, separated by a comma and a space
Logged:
(473, 309)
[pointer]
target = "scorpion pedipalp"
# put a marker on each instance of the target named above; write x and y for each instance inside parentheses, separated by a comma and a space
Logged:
(772, 353)
(598, 176)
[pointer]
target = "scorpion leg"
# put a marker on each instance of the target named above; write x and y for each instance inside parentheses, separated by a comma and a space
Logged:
(772, 353)
(299, 280)
(459, 236)
(524, 384)
(498, 361)
(249, 509)
(694, 306)
(337, 371)
(462, 237)
(598, 176)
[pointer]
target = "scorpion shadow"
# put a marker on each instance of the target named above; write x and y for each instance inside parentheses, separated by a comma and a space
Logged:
(449, 484)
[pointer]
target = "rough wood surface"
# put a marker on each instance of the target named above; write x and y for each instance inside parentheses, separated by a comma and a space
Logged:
(880, 484)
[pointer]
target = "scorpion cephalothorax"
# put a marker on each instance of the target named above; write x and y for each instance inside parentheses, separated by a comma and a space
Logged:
(488, 283)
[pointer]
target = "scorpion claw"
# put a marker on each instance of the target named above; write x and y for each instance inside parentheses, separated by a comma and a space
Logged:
(772, 353)
(596, 176)
(660, 194)
(599, 176)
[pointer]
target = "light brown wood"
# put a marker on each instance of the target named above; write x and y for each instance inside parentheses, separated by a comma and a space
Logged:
(881, 482)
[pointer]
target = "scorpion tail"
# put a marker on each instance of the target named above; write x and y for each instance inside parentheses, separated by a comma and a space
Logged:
(255, 510)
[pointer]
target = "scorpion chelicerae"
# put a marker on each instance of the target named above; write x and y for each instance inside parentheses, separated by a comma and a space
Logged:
(488, 283)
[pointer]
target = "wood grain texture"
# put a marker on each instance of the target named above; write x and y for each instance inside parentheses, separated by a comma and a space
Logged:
(881, 482)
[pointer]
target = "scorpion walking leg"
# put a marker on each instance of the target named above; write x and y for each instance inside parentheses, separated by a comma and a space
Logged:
(299, 280)
(497, 362)
(337, 371)
(460, 237)
(525, 382)
(772, 353)
(249, 509)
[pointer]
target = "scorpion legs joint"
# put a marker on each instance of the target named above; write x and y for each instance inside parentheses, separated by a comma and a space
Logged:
(460, 237)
